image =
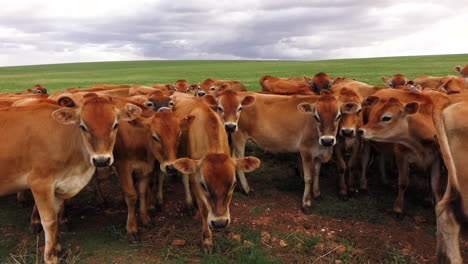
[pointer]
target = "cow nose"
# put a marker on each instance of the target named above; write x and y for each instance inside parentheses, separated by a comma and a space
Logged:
(361, 132)
(218, 224)
(327, 141)
(170, 169)
(347, 132)
(201, 94)
(230, 127)
(101, 161)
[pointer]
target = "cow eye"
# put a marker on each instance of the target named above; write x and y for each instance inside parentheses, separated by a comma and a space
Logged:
(386, 118)
(116, 125)
(155, 138)
(83, 128)
(220, 109)
(204, 186)
(212, 88)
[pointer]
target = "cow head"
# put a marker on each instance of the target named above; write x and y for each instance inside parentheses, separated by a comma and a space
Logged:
(207, 87)
(229, 105)
(193, 89)
(350, 111)
(396, 80)
(387, 119)
(215, 179)
(38, 89)
(320, 81)
(463, 71)
(181, 86)
(98, 119)
(164, 135)
(158, 99)
(327, 114)
(452, 84)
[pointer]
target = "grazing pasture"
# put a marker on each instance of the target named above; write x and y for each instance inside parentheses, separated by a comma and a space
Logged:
(268, 225)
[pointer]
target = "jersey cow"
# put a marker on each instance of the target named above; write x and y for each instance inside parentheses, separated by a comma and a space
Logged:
(211, 86)
(57, 168)
(209, 164)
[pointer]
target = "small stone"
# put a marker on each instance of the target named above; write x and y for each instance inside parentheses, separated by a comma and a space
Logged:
(307, 226)
(405, 251)
(283, 243)
(178, 242)
(248, 243)
(299, 245)
(341, 250)
(338, 261)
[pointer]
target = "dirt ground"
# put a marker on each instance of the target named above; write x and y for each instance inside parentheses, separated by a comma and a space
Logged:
(267, 226)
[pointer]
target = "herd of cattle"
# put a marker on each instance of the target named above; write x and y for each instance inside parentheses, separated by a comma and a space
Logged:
(52, 144)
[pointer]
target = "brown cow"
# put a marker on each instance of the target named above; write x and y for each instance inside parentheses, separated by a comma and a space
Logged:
(209, 164)
(282, 124)
(211, 86)
(139, 145)
(450, 117)
(463, 72)
(450, 84)
(404, 119)
(396, 80)
(57, 168)
(320, 81)
(181, 86)
(38, 89)
(283, 86)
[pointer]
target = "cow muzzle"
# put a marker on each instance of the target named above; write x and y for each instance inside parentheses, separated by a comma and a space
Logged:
(230, 127)
(201, 94)
(327, 141)
(102, 160)
(347, 132)
(219, 224)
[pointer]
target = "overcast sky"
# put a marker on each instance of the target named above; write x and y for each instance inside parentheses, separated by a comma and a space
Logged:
(60, 31)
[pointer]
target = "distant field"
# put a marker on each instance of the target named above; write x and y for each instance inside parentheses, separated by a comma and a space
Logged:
(59, 76)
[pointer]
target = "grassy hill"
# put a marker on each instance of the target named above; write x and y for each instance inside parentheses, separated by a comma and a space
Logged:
(59, 76)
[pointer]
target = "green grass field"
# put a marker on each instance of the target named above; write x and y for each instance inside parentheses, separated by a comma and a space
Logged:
(59, 76)
(103, 240)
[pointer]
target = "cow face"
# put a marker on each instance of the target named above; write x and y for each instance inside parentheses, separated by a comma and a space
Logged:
(388, 119)
(38, 89)
(350, 113)
(157, 100)
(98, 120)
(193, 89)
(320, 81)
(395, 81)
(164, 132)
(229, 105)
(327, 114)
(207, 87)
(181, 86)
(214, 181)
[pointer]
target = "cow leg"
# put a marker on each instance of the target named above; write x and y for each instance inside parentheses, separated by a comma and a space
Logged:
(159, 202)
(383, 171)
(35, 226)
(126, 182)
(238, 151)
(365, 158)
(48, 206)
(317, 194)
(448, 232)
(403, 180)
(307, 164)
(21, 199)
(207, 236)
(342, 189)
(436, 180)
(100, 200)
(143, 193)
(352, 168)
(62, 218)
(189, 206)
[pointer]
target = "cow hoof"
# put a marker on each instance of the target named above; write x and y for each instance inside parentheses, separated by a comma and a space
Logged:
(35, 229)
(207, 249)
(307, 210)
(319, 198)
(133, 238)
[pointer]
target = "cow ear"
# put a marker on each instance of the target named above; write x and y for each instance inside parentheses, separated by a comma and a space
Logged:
(248, 101)
(186, 165)
(247, 164)
(186, 122)
(370, 101)
(65, 116)
(308, 80)
(458, 68)
(210, 100)
(306, 108)
(387, 81)
(349, 108)
(411, 108)
(66, 101)
(129, 112)
(30, 90)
